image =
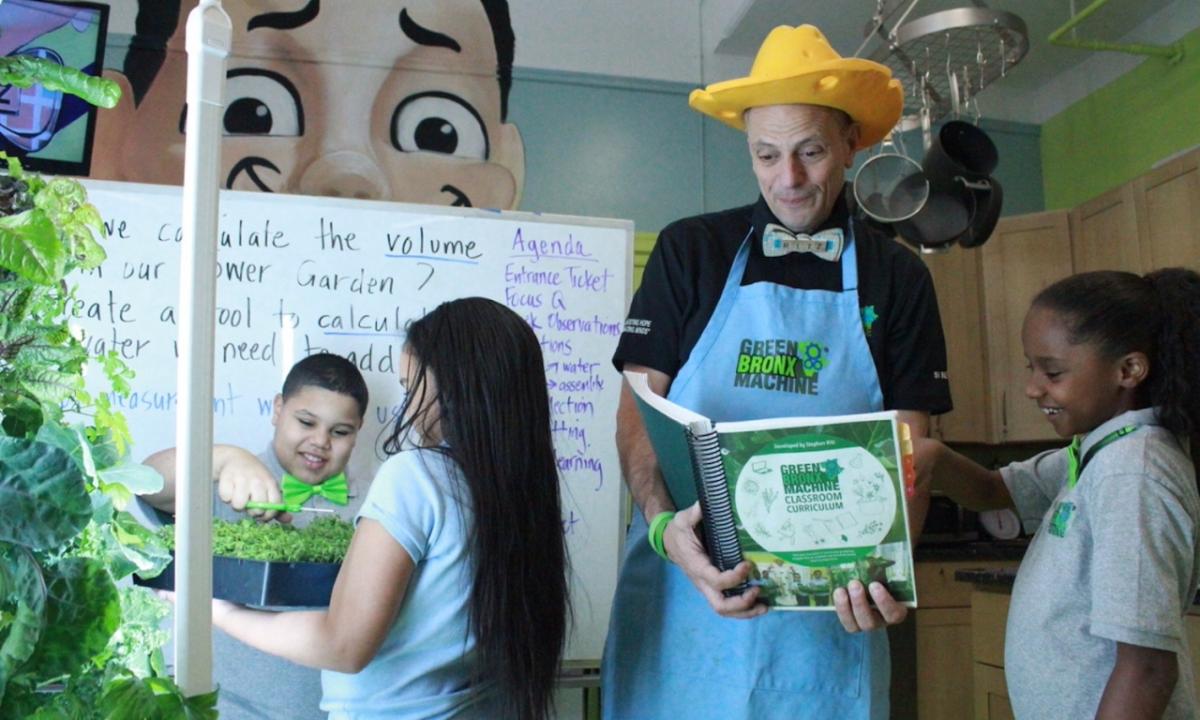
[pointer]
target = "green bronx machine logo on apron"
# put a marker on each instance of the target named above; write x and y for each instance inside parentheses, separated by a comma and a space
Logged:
(790, 366)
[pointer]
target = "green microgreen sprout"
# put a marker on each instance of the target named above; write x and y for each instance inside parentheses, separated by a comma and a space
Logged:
(325, 540)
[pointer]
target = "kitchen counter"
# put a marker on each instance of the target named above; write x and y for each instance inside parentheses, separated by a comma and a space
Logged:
(977, 550)
(988, 578)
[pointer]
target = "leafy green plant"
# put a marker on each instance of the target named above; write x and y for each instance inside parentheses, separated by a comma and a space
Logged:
(25, 71)
(325, 540)
(72, 643)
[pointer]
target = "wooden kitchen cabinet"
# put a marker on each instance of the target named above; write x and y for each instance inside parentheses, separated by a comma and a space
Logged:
(1168, 209)
(989, 613)
(944, 639)
(1104, 232)
(1191, 622)
(989, 616)
(1148, 223)
(983, 293)
(991, 694)
(957, 280)
(1025, 254)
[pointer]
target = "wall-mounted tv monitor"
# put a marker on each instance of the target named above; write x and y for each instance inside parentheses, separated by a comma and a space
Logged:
(48, 130)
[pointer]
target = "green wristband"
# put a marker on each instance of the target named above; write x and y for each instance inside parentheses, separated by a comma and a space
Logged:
(655, 535)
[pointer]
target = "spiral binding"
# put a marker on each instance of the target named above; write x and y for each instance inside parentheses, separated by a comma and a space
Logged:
(720, 530)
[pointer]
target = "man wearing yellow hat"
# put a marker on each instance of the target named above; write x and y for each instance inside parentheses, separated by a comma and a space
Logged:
(799, 272)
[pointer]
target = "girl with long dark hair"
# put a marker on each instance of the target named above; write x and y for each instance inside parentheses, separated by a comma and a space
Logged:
(452, 600)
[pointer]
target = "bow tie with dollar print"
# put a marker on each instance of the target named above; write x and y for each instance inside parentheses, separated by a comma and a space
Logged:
(778, 241)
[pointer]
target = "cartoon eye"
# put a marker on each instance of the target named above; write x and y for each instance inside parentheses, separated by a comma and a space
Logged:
(438, 122)
(259, 102)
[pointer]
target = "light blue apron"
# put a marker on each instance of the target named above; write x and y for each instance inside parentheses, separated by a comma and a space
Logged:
(668, 654)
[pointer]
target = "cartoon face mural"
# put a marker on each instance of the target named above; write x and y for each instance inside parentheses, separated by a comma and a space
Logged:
(380, 99)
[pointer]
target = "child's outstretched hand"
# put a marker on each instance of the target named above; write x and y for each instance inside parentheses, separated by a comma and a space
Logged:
(242, 478)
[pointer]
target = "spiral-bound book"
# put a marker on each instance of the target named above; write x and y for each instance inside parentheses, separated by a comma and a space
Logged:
(811, 502)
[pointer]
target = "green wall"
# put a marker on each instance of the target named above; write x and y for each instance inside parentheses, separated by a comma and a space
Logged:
(1122, 129)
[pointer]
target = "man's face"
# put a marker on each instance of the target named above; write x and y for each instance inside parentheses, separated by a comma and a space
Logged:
(800, 154)
(387, 100)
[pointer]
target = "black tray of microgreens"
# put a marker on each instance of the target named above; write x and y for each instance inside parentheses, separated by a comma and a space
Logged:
(269, 564)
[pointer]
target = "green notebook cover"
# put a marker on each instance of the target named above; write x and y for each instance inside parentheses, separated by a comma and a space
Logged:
(670, 436)
(813, 502)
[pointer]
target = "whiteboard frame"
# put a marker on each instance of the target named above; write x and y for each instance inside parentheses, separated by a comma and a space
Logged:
(571, 665)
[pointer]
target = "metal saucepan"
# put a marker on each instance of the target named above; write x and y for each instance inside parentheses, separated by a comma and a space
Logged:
(960, 152)
(945, 216)
(987, 213)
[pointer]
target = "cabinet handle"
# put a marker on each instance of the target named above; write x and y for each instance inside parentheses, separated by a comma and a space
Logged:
(1004, 413)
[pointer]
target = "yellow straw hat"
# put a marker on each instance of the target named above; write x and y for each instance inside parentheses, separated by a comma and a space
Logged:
(796, 65)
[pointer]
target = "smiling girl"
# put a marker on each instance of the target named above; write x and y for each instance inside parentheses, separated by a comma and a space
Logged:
(1096, 626)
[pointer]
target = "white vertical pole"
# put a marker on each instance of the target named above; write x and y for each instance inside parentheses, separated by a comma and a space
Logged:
(209, 33)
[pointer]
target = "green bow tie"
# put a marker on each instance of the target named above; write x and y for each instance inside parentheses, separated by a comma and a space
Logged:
(334, 489)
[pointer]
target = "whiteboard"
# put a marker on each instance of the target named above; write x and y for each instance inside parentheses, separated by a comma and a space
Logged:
(298, 275)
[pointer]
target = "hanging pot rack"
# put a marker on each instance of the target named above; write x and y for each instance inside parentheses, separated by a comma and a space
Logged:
(946, 58)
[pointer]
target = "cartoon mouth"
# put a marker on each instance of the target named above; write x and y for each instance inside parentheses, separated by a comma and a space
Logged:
(460, 198)
(248, 165)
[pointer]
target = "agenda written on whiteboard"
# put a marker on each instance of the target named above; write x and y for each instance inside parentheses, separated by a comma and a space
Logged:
(298, 275)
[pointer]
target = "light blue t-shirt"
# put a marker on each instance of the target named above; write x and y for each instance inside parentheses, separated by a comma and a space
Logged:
(424, 667)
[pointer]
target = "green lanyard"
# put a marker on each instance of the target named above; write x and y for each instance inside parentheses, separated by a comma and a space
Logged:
(1075, 465)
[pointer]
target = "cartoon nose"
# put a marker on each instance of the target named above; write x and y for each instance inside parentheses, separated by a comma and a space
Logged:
(344, 173)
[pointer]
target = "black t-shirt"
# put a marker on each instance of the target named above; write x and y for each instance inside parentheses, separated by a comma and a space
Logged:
(686, 273)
